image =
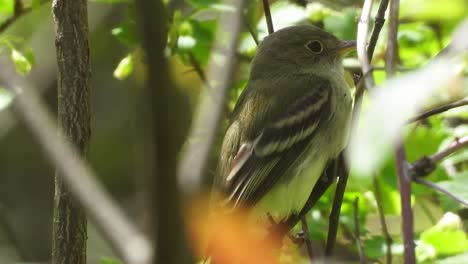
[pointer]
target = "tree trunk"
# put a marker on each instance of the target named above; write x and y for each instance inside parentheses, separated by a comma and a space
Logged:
(71, 28)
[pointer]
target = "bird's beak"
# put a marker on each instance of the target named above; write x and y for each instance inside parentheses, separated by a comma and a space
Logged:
(346, 46)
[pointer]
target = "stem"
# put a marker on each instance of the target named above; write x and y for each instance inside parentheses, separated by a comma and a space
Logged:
(357, 235)
(440, 189)
(19, 11)
(269, 20)
(437, 110)
(404, 181)
(378, 24)
(308, 243)
(383, 223)
(336, 207)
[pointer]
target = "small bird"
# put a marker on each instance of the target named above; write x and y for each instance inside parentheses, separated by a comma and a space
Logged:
(289, 122)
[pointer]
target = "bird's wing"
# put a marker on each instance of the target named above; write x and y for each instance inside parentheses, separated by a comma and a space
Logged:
(260, 163)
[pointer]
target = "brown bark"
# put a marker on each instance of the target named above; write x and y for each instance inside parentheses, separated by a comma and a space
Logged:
(71, 28)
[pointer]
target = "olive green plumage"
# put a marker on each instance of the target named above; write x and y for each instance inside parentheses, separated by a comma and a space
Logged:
(291, 119)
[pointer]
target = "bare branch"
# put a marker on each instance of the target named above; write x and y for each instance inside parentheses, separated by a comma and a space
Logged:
(378, 24)
(404, 181)
(308, 243)
(440, 189)
(383, 223)
(269, 20)
(437, 110)
(363, 29)
(455, 146)
(342, 173)
(426, 165)
(342, 168)
(194, 162)
(357, 235)
(19, 11)
(127, 241)
(252, 32)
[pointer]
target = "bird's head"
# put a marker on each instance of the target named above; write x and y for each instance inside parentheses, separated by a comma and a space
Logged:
(299, 49)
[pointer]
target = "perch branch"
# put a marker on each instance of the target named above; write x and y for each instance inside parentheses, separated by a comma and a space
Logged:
(269, 20)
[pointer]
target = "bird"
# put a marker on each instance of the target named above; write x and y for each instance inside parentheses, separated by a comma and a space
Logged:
(289, 122)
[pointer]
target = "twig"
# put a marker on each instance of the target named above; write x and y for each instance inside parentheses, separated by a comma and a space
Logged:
(426, 165)
(404, 185)
(19, 11)
(198, 69)
(438, 110)
(343, 169)
(383, 223)
(357, 235)
(269, 20)
(251, 31)
(404, 181)
(378, 24)
(308, 243)
(195, 159)
(363, 28)
(440, 189)
(458, 144)
(343, 173)
(127, 241)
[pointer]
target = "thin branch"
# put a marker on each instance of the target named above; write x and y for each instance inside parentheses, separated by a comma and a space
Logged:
(343, 168)
(383, 223)
(363, 29)
(378, 24)
(440, 189)
(404, 181)
(308, 243)
(404, 185)
(438, 110)
(194, 162)
(343, 173)
(269, 20)
(252, 32)
(357, 235)
(127, 241)
(455, 146)
(198, 69)
(19, 11)
(426, 165)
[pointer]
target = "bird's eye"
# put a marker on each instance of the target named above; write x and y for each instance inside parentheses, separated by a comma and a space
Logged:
(315, 46)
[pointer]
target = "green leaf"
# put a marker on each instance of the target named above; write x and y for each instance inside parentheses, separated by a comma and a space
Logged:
(375, 247)
(6, 97)
(126, 33)
(447, 236)
(124, 68)
(22, 64)
(109, 260)
(199, 42)
(343, 25)
(434, 10)
(7, 7)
